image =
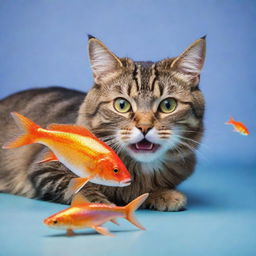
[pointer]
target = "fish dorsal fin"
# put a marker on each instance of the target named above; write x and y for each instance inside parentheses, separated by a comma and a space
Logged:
(79, 199)
(49, 156)
(71, 128)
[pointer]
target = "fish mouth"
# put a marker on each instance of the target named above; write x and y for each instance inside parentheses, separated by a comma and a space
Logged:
(126, 182)
(144, 146)
(47, 222)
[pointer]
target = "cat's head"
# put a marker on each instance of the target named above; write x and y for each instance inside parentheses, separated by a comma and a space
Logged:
(145, 109)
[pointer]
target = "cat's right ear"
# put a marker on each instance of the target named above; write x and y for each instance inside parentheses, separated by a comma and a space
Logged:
(105, 64)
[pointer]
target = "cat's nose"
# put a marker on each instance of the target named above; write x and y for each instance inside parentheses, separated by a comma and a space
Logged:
(144, 128)
(144, 121)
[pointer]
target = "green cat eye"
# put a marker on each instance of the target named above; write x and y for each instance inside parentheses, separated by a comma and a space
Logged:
(122, 105)
(168, 105)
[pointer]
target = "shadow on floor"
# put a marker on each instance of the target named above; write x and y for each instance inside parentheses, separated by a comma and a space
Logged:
(91, 233)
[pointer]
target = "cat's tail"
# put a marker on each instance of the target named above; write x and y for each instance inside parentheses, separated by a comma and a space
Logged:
(133, 206)
(30, 132)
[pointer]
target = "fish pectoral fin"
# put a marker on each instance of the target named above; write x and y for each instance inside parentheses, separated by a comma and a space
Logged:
(76, 184)
(70, 232)
(79, 199)
(115, 222)
(49, 156)
(102, 231)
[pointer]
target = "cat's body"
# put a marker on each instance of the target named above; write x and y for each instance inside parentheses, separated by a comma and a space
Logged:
(156, 145)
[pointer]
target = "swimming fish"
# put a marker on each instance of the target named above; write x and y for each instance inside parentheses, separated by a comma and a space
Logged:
(83, 214)
(238, 126)
(78, 149)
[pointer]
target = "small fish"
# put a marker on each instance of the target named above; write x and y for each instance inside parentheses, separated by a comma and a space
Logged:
(78, 149)
(238, 126)
(83, 214)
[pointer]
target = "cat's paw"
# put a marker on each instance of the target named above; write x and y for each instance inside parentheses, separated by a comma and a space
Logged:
(167, 200)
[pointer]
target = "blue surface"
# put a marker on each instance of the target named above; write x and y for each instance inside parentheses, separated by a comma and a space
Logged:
(220, 220)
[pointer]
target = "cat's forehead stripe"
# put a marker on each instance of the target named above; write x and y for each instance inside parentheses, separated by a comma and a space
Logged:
(152, 78)
(145, 81)
(155, 86)
(136, 76)
(133, 88)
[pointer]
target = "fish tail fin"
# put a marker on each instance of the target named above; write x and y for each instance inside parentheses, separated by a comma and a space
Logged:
(29, 135)
(230, 121)
(133, 206)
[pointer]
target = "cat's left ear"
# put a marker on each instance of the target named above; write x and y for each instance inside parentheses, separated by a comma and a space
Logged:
(191, 61)
(105, 64)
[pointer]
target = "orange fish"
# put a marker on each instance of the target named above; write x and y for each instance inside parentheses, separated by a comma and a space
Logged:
(83, 214)
(78, 149)
(238, 126)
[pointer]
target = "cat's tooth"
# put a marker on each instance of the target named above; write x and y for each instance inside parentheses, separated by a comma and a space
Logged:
(151, 147)
(137, 147)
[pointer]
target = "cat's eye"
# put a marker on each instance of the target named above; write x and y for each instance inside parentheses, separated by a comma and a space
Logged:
(168, 105)
(122, 105)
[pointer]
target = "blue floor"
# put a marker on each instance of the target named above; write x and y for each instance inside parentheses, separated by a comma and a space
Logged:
(220, 220)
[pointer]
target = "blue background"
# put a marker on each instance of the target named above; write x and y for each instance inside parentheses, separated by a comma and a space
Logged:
(44, 43)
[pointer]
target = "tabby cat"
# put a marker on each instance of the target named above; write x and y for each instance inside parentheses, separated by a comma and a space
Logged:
(150, 113)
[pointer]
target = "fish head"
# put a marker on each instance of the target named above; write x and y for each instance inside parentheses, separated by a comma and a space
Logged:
(113, 172)
(56, 221)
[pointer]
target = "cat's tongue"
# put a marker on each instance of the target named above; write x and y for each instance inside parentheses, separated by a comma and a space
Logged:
(144, 145)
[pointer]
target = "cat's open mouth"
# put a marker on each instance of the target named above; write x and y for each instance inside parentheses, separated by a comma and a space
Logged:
(144, 146)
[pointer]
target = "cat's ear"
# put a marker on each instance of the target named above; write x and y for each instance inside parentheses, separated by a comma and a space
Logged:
(105, 64)
(191, 61)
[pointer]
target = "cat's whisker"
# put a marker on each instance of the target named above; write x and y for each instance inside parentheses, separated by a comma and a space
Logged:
(118, 148)
(125, 138)
(192, 149)
(179, 150)
(186, 130)
(185, 138)
(116, 145)
(194, 141)
(109, 141)
(105, 138)
(188, 146)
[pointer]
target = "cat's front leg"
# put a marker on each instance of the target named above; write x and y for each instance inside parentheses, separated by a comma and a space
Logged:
(166, 200)
(50, 181)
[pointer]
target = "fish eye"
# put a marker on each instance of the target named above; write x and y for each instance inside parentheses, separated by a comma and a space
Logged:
(168, 105)
(55, 222)
(115, 170)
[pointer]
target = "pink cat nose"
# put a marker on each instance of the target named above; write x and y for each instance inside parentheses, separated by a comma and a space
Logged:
(144, 121)
(144, 128)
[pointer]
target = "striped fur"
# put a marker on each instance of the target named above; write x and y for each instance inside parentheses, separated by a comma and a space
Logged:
(144, 85)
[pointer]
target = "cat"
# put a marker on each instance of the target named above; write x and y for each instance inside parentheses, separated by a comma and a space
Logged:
(150, 113)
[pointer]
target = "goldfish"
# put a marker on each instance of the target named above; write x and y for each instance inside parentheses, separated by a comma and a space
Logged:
(238, 126)
(82, 214)
(78, 149)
